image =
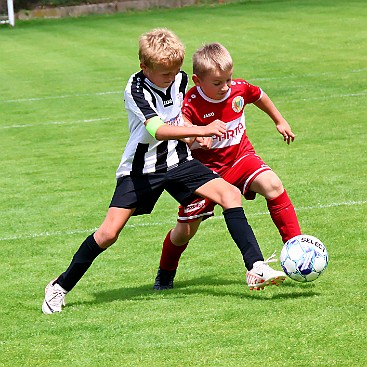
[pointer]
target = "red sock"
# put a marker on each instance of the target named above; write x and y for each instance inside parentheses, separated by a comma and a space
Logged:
(284, 216)
(170, 254)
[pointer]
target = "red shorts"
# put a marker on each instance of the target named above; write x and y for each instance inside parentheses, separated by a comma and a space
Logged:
(241, 175)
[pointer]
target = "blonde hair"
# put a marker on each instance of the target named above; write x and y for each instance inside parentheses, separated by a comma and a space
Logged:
(211, 57)
(161, 47)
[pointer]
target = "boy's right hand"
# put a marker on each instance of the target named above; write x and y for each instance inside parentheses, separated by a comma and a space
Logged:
(217, 128)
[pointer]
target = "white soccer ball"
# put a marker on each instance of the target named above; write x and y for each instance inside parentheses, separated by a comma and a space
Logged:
(304, 258)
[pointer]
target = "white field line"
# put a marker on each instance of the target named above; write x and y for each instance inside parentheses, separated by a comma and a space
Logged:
(60, 97)
(171, 222)
(17, 126)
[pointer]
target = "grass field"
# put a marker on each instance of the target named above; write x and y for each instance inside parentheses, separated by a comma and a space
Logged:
(62, 131)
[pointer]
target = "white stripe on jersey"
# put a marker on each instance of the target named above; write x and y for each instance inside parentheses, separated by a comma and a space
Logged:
(144, 100)
(233, 135)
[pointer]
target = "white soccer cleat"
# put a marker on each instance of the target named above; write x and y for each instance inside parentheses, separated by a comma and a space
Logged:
(54, 298)
(262, 275)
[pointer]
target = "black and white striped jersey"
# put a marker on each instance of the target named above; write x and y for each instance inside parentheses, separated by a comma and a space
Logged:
(144, 100)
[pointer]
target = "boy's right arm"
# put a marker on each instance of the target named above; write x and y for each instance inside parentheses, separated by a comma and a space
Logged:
(162, 131)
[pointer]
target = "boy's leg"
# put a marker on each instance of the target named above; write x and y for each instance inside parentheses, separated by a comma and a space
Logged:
(174, 245)
(92, 246)
(171, 253)
(259, 274)
(57, 289)
(176, 242)
(284, 216)
(279, 204)
(243, 236)
(80, 263)
(229, 198)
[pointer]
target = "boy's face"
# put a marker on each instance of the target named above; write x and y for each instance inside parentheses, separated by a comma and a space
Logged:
(161, 76)
(214, 84)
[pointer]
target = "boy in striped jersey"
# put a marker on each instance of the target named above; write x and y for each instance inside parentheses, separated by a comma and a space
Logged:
(157, 159)
(217, 96)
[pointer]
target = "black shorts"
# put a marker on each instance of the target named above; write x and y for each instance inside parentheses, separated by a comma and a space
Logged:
(142, 191)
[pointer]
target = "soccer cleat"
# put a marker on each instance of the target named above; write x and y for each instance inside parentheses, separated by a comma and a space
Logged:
(54, 298)
(164, 279)
(262, 275)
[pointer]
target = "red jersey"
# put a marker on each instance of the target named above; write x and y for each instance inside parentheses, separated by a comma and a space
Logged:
(202, 110)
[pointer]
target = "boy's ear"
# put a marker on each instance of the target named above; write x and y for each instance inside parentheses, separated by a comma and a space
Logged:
(196, 79)
(143, 66)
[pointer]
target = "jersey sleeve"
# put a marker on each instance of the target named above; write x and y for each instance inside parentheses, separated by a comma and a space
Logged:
(251, 93)
(137, 100)
(187, 107)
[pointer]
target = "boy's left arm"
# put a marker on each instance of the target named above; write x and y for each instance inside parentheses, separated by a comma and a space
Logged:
(265, 104)
(188, 141)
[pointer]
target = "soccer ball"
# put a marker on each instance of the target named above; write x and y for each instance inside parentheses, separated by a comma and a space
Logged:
(304, 258)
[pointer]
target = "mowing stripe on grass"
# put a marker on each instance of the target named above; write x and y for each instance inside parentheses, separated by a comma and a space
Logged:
(363, 93)
(20, 100)
(17, 126)
(77, 231)
(294, 76)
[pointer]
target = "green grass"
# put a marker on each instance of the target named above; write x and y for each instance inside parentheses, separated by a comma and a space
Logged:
(62, 131)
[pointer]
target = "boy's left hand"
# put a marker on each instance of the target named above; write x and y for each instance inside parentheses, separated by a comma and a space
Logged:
(205, 142)
(285, 130)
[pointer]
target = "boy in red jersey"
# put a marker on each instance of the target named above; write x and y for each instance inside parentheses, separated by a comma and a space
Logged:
(216, 96)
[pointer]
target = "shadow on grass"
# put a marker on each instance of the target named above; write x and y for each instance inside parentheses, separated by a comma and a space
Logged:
(205, 286)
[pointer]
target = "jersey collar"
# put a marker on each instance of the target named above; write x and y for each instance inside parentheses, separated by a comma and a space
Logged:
(147, 80)
(200, 91)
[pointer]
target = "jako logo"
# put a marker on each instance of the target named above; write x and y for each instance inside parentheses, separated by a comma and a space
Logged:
(208, 115)
(168, 102)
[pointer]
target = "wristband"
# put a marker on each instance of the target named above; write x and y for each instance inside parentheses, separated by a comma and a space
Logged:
(153, 124)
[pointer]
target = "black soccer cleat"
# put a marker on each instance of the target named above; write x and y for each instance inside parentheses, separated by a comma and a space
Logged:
(164, 279)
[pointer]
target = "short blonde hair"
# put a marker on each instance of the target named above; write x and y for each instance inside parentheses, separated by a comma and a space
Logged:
(211, 57)
(161, 47)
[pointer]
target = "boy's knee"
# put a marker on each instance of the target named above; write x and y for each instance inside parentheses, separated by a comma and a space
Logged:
(267, 184)
(275, 186)
(106, 238)
(183, 232)
(232, 198)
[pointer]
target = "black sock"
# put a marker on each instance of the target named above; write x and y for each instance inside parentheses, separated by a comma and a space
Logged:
(243, 235)
(80, 263)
